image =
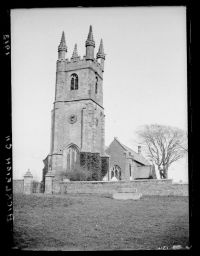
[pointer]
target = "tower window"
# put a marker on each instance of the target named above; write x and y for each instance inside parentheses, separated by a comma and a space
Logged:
(72, 157)
(96, 85)
(74, 82)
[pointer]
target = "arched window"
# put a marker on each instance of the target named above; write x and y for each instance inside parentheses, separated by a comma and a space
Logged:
(72, 157)
(96, 85)
(74, 82)
(116, 172)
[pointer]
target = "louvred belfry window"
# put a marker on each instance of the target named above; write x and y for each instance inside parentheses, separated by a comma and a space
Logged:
(74, 82)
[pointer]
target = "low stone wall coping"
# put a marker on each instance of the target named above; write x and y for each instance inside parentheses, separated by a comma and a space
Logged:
(152, 180)
(146, 187)
(118, 182)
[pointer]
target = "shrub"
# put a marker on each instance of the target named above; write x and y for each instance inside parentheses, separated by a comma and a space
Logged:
(62, 175)
(104, 166)
(89, 168)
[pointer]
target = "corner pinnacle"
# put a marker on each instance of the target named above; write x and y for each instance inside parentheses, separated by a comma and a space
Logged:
(75, 53)
(62, 46)
(100, 53)
(90, 39)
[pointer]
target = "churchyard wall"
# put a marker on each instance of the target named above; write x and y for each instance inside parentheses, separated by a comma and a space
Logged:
(18, 186)
(146, 187)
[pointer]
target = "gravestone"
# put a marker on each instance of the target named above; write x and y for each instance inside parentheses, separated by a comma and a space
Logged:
(114, 179)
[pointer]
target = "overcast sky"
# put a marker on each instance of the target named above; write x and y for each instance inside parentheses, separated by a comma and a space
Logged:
(145, 78)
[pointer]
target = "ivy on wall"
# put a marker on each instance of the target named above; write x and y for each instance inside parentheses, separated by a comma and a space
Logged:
(92, 163)
(83, 160)
(91, 166)
(104, 165)
(44, 172)
(96, 166)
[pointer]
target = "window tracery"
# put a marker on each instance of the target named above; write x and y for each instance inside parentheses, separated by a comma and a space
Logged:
(74, 82)
(72, 157)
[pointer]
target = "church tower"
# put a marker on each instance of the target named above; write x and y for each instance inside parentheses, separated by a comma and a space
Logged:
(77, 118)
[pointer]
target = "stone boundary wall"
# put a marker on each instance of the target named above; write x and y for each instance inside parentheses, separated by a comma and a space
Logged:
(18, 186)
(146, 187)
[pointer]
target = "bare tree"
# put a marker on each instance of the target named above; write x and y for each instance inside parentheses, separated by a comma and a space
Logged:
(164, 145)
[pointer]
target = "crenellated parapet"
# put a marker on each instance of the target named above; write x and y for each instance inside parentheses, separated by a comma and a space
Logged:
(70, 65)
(84, 64)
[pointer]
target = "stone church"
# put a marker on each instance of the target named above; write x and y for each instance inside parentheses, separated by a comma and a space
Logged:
(77, 118)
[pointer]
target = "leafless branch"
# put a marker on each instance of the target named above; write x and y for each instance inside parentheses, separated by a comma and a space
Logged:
(164, 144)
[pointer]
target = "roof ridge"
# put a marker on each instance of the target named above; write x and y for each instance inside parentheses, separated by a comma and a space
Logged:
(140, 157)
(123, 146)
(130, 149)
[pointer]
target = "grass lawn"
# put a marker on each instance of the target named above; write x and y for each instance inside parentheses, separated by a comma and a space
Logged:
(96, 222)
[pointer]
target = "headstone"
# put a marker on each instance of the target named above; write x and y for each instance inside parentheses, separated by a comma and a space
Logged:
(28, 183)
(177, 247)
(114, 179)
(49, 182)
(105, 178)
(66, 180)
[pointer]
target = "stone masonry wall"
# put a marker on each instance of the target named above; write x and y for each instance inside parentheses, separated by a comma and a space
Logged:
(146, 187)
(18, 186)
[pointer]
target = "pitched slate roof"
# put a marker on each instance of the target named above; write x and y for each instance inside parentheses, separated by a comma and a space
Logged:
(137, 157)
